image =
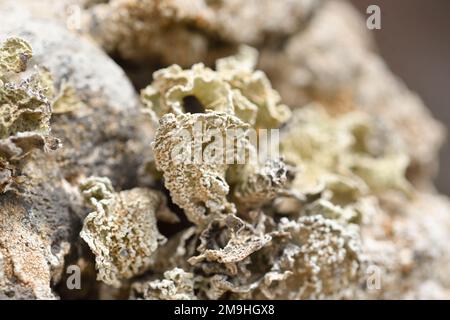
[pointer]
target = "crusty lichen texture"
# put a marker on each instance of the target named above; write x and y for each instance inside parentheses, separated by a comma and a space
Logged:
(141, 188)
(235, 87)
(176, 285)
(122, 230)
(199, 188)
(301, 214)
(25, 110)
(234, 98)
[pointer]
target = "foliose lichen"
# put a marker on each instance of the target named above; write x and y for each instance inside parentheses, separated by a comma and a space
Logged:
(122, 230)
(25, 110)
(345, 195)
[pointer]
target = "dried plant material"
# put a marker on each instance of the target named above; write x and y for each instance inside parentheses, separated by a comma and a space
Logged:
(122, 232)
(235, 88)
(176, 285)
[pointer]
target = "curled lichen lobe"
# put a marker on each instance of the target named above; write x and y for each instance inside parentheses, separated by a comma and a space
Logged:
(122, 230)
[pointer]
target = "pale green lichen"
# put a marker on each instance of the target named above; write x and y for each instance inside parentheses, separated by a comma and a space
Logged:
(67, 100)
(332, 168)
(14, 55)
(346, 157)
(234, 97)
(337, 167)
(25, 110)
(122, 230)
(235, 87)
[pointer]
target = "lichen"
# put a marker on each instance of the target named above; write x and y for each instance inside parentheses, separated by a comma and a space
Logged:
(235, 87)
(14, 55)
(124, 26)
(242, 240)
(122, 230)
(199, 187)
(25, 111)
(317, 251)
(346, 193)
(326, 185)
(334, 62)
(67, 101)
(259, 185)
(176, 285)
(235, 98)
(346, 154)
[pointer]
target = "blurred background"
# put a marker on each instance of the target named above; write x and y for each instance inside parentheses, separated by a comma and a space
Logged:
(414, 40)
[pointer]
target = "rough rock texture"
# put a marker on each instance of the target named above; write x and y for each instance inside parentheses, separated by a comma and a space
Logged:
(36, 229)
